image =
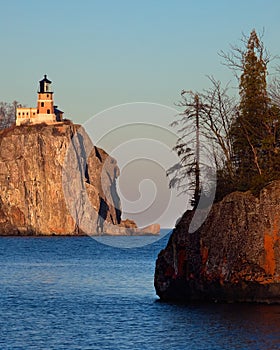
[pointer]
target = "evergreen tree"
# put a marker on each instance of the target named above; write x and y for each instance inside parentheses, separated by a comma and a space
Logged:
(254, 132)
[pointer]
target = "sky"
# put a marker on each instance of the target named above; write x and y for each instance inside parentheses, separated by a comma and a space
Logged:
(135, 54)
(100, 54)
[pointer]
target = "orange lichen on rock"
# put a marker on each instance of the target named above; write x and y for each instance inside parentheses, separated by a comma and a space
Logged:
(269, 242)
(204, 251)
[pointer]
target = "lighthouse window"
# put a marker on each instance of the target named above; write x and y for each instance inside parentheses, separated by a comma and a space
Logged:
(48, 111)
(18, 113)
(26, 113)
(42, 104)
(22, 113)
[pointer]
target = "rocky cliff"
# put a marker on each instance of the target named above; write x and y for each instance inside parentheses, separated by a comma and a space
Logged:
(32, 185)
(234, 256)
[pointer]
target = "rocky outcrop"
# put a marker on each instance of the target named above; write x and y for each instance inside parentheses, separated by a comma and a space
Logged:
(233, 257)
(39, 189)
(153, 229)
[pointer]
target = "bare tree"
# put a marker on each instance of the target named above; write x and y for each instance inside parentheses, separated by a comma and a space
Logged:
(220, 113)
(205, 122)
(274, 88)
(8, 113)
(204, 129)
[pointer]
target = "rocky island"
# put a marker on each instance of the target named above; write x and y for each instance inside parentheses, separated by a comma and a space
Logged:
(32, 197)
(233, 257)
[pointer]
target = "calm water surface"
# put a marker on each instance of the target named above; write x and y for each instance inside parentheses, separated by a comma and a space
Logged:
(75, 293)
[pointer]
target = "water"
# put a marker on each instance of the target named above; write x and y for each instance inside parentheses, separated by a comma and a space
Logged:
(75, 293)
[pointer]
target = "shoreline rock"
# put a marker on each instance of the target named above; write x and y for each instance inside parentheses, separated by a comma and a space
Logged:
(233, 257)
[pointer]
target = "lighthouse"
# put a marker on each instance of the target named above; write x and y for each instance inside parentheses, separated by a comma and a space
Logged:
(45, 107)
(45, 112)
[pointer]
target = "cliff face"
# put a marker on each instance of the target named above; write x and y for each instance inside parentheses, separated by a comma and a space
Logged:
(32, 195)
(233, 256)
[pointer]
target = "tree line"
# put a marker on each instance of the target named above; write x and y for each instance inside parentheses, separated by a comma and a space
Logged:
(242, 134)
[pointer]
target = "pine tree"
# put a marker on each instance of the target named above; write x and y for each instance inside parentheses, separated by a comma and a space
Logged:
(254, 130)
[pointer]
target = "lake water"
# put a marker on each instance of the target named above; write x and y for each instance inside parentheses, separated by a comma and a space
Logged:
(75, 293)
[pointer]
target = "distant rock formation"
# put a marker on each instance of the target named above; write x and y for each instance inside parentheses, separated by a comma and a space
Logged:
(233, 257)
(33, 178)
(153, 229)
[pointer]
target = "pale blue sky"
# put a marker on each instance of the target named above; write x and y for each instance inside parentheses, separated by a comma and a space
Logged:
(104, 53)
